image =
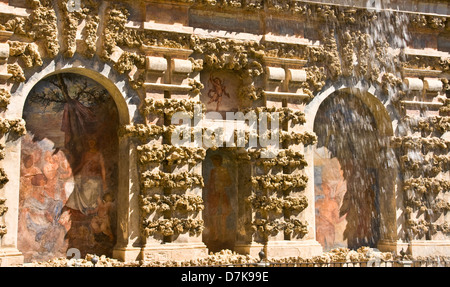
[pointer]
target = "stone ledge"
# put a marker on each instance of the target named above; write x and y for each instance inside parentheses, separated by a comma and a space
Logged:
(408, 72)
(285, 95)
(421, 104)
(173, 28)
(283, 248)
(5, 35)
(127, 254)
(11, 10)
(10, 257)
(164, 51)
(285, 61)
(430, 248)
(5, 76)
(392, 246)
(167, 87)
(174, 251)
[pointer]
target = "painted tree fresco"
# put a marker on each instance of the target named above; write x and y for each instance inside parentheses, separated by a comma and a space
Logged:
(346, 174)
(68, 169)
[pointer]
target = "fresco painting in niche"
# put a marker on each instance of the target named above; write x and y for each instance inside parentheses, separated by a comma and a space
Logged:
(345, 174)
(329, 187)
(68, 169)
(220, 91)
(220, 196)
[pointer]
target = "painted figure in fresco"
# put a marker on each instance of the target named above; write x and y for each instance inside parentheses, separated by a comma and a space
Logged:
(64, 169)
(219, 201)
(327, 209)
(90, 181)
(41, 215)
(101, 222)
(353, 141)
(217, 91)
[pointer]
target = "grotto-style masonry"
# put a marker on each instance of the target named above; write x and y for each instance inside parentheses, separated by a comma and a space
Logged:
(88, 95)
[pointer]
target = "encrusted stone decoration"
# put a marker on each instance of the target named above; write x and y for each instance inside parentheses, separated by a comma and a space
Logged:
(172, 155)
(161, 203)
(171, 180)
(279, 182)
(262, 67)
(3, 178)
(273, 227)
(3, 207)
(27, 52)
(305, 138)
(426, 185)
(17, 73)
(168, 227)
(142, 131)
(16, 126)
(285, 115)
(3, 230)
(169, 107)
(41, 24)
(428, 144)
(284, 157)
(277, 205)
(5, 97)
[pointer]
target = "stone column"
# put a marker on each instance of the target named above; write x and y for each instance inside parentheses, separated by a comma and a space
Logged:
(9, 254)
(244, 237)
(9, 193)
(169, 75)
(129, 240)
(283, 91)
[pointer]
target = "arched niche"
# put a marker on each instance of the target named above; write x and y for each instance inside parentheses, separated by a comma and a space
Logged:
(354, 170)
(220, 194)
(126, 100)
(69, 169)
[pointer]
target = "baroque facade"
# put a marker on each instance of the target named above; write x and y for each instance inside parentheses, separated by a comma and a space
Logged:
(89, 89)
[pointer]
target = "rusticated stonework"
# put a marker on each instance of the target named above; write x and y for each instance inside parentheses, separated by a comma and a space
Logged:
(362, 98)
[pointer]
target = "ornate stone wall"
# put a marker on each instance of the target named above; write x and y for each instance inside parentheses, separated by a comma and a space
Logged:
(157, 58)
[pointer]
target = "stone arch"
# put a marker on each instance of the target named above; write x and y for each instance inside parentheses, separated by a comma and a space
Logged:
(126, 100)
(100, 72)
(385, 120)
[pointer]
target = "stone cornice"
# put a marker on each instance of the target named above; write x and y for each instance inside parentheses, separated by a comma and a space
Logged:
(290, 7)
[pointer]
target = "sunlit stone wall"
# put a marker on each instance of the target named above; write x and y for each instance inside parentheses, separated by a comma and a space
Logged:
(348, 72)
